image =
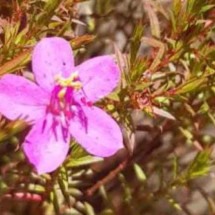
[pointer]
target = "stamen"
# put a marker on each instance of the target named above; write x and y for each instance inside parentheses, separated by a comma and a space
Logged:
(44, 125)
(77, 85)
(54, 127)
(62, 93)
(63, 105)
(65, 82)
(85, 102)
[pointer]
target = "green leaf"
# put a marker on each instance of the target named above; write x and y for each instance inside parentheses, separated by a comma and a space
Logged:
(75, 192)
(135, 42)
(204, 108)
(89, 209)
(190, 86)
(212, 118)
(142, 86)
(82, 161)
(207, 7)
(48, 12)
(161, 50)
(177, 5)
(36, 188)
(77, 42)
(54, 200)
(174, 203)
(186, 133)
(153, 19)
(12, 129)
(63, 184)
(139, 173)
(16, 63)
(80, 157)
(200, 165)
(104, 7)
(3, 186)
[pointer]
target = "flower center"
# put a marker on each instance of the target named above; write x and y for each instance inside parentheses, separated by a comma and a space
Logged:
(72, 81)
(63, 102)
(62, 98)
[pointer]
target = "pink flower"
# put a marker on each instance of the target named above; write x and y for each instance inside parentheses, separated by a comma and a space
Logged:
(60, 106)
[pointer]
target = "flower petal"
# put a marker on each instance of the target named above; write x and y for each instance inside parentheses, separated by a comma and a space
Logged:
(21, 98)
(99, 76)
(52, 56)
(45, 149)
(99, 135)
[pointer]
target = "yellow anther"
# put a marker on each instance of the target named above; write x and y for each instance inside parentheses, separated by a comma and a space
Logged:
(64, 82)
(68, 82)
(77, 85)
(62, 93)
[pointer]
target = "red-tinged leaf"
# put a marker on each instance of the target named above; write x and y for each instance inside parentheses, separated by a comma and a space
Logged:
(162, 113)
(16, 63)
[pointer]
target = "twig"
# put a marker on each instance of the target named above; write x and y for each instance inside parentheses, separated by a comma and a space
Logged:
(107, 178)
